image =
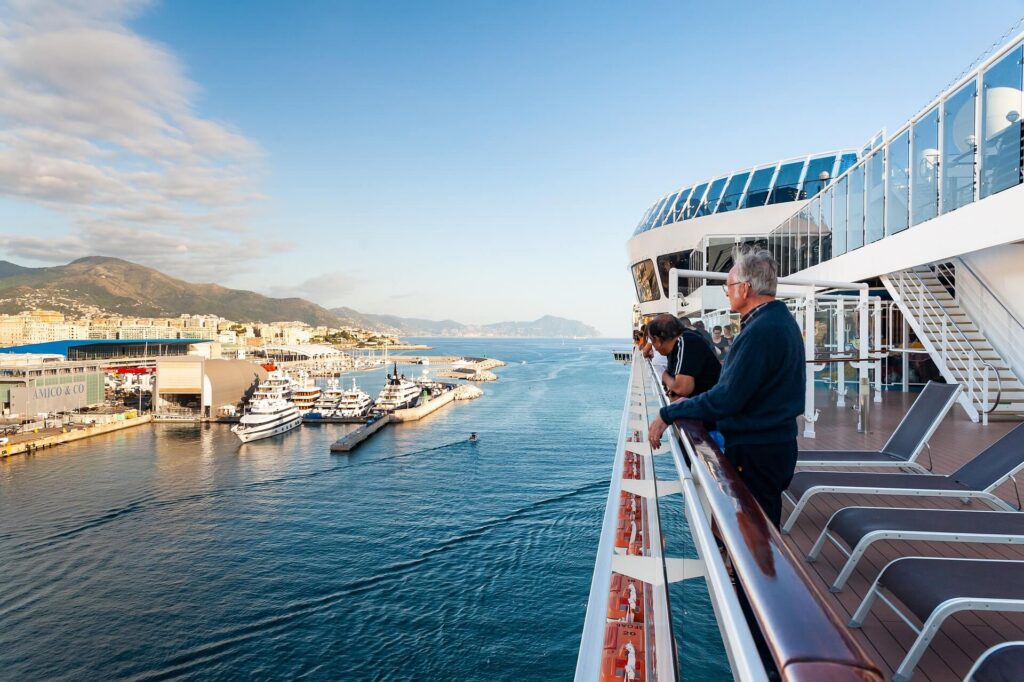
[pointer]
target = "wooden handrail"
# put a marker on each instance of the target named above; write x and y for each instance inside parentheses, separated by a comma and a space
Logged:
(806, 639)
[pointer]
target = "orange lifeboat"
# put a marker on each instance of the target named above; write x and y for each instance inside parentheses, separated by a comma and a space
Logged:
(623, 657)
(629, 532)
(626, 600)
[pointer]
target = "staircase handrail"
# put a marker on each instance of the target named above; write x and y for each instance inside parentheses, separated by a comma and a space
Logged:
(1009, 314)
(999, 387)
(926, 296)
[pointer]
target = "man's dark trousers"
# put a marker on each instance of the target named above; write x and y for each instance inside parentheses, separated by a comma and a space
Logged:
(767, 469)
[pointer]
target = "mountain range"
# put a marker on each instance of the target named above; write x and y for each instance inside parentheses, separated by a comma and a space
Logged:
(100, 283)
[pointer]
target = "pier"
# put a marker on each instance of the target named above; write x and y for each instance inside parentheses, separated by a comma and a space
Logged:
(350, 441)
(28, 443)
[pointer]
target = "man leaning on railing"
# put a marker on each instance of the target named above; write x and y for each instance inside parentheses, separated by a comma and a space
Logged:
(761, 390)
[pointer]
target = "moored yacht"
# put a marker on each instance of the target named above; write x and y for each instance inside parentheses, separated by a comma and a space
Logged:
(269, 415)
(305, 393)
(354, 402)
(327, 405)
(398, 393)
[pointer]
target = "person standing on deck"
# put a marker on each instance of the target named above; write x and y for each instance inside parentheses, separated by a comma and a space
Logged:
(692, 366)
(761, 390)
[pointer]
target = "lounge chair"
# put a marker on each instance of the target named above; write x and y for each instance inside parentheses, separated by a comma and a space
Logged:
(858, 527)
(934, 589)
(1001, 663)
(905, 443)
(977, 478)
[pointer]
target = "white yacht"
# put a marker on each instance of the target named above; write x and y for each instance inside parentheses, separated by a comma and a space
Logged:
(278, 383)
(398, 393)
(327, 405)
(305, 393)
(354, 402)
(269, 415)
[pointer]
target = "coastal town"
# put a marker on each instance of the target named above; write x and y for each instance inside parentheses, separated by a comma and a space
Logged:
(65, 378)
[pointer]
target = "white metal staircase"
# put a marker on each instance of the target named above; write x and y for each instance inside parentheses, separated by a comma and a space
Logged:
(926, 295)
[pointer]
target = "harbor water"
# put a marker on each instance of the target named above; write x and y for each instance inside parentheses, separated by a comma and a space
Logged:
(172, 552)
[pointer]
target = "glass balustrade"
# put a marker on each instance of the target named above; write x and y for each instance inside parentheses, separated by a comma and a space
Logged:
(969, 145)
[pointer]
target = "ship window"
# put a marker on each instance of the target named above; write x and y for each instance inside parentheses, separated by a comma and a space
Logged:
(813, 180)
(655, 214)
(875, 216)
(679, 260)
(677, 210)
(839, 217)
(646, 282)
(846, 163)
(757, 193)
(733, 192)
(695, 199)
(720, 251)
(813, 233)
(711, 200)
(897, 194)
(825, 226)
(924, 155)
(787, 184)
(666, 212)
(1002, 106)
(958, 145)
(643, 221)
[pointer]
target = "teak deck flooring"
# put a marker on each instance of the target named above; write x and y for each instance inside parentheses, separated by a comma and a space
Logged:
(885, 637)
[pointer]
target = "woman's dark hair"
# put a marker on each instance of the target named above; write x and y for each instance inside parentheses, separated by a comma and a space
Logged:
(664, 327)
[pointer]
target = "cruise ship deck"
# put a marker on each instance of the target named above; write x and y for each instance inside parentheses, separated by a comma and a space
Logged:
(886, 638)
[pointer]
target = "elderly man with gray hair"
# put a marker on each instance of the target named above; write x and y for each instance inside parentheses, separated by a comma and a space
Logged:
(761, 390)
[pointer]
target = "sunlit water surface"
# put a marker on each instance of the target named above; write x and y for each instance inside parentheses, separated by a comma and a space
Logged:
(173, 552)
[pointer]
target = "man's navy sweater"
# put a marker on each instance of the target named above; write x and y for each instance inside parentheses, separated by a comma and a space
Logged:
(761, 390)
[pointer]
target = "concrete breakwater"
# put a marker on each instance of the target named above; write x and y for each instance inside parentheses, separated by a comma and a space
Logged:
(49, 440)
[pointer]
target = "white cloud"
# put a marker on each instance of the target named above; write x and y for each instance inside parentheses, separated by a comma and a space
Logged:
(99, 124)
(328, 289)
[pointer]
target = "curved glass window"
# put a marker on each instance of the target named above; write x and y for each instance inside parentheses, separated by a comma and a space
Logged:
(733, 192)
(785, 246)
(897, 194)
(874, 218)
(695, 200)
(924, 171)
(855, 210)
(667, 211)
(787, 184)
(677, 210)
(839, 217)
(958, 146)
(643, 221)
(681, 261)
(825, 226)
(760, 182)
(1001, 108)
(846, 163)
(710, 204)
(646, 281)
(654, 215)
(814, 181)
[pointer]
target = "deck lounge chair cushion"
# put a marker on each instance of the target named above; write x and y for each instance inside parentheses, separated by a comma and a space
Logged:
(853, 523)
(1004, 664)
(995, 463)
(923, 584)
(847, 456)
(805, 480)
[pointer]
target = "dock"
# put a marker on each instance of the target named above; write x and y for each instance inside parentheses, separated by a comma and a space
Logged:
(350, 441)
(21, 445)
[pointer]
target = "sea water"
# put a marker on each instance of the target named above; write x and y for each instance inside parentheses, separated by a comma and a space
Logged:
(174, 552)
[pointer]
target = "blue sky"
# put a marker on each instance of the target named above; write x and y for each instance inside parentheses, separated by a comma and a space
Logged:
(480, 161)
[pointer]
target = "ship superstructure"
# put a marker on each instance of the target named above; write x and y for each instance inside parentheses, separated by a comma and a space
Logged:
(901, 260)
